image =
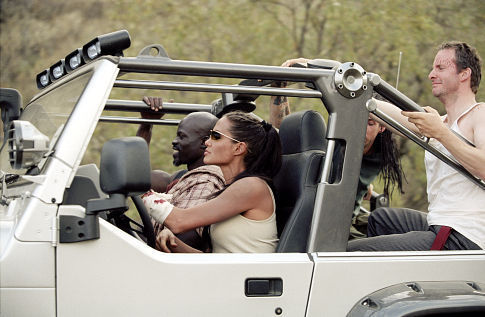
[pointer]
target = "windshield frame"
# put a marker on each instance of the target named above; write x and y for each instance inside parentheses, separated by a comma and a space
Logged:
(70, 141)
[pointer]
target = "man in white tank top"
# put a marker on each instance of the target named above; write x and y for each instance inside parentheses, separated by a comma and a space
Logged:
(456, 205)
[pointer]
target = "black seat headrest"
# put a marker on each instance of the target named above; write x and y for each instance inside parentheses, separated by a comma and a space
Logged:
(303, 131)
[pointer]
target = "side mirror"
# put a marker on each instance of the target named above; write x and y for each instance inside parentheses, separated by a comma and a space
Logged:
(10, 103)
(125, 166)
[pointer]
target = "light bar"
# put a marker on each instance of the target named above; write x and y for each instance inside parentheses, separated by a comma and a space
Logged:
(108, 44)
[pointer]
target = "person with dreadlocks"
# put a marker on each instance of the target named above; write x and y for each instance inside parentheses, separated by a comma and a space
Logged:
(380, 157)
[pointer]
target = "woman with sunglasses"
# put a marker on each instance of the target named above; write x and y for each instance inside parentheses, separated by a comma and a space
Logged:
(242, 215)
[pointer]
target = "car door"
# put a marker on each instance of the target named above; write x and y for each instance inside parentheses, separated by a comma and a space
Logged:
(119, 275)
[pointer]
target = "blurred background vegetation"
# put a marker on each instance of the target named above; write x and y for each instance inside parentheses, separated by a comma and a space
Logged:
(36, 33)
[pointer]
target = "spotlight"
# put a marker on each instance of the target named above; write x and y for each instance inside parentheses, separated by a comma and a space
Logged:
(74, 60)
(57, 70)
(43, 79)
(107, 44)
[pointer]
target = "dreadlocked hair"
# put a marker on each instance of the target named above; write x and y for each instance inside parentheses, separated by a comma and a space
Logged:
(391, 170)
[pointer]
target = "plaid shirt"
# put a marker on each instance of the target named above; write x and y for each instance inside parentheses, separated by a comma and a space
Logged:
(195, 188)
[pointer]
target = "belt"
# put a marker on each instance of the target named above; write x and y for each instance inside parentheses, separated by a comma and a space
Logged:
(441, 238)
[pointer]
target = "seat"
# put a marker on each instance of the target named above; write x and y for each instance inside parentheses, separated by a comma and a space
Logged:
(85, 186)
(303, 144)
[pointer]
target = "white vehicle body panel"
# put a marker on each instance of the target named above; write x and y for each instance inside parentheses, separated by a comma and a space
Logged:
(160, 284)
(28, 302)
(342, 279)
(27, 279)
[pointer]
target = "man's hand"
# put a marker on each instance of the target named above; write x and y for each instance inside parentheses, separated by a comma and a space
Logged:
(158, 205)
(429, 124)
(165, 241)
(156, 104)
(301, 60)
(368, 195)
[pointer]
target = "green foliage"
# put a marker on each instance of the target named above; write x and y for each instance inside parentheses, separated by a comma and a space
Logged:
(36, 33)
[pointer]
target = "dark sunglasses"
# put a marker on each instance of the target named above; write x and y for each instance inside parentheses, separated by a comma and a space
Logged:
(216, 135)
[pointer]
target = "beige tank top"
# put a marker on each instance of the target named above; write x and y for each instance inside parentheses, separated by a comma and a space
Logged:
(239, 234)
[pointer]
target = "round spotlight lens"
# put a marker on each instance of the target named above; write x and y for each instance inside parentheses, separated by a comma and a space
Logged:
(75, 61)
(44, 80)
(57, 72)
(93, 50)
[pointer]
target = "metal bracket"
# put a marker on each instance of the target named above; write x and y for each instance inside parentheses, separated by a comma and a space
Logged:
(77, 229)
(350, 80)
(156, 48)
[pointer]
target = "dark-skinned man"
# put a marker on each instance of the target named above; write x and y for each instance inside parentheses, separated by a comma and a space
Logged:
(199, 182)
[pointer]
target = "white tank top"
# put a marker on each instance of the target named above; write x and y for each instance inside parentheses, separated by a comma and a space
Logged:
(239, 234)
(454, 200)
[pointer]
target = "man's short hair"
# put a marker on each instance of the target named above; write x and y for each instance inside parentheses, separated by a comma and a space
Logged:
(466, 56)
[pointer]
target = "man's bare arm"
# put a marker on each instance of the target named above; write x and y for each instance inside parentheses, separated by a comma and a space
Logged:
(472, 158)
(145, 130)
(279, 108)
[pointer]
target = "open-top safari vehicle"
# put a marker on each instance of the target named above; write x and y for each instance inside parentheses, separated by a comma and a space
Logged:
(62, 252)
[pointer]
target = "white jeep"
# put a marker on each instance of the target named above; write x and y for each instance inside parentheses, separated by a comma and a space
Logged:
(67, 249)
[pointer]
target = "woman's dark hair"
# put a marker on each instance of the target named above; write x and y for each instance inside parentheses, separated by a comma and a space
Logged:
(263, 158)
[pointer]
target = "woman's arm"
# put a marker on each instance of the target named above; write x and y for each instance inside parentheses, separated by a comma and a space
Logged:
(247, 195)
(168, 242)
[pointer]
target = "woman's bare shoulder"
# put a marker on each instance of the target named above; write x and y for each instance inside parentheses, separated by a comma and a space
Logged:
(250, 187)
(251, 181)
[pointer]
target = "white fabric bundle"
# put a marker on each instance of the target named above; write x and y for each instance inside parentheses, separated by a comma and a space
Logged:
(158, 205)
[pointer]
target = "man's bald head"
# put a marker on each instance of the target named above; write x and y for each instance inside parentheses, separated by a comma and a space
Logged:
(200, 122)
(189, 145)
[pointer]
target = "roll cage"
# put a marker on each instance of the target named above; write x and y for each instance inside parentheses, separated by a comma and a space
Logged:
(345, 91)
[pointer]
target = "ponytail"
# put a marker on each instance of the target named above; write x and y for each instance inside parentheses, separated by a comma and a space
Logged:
(263, 157)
